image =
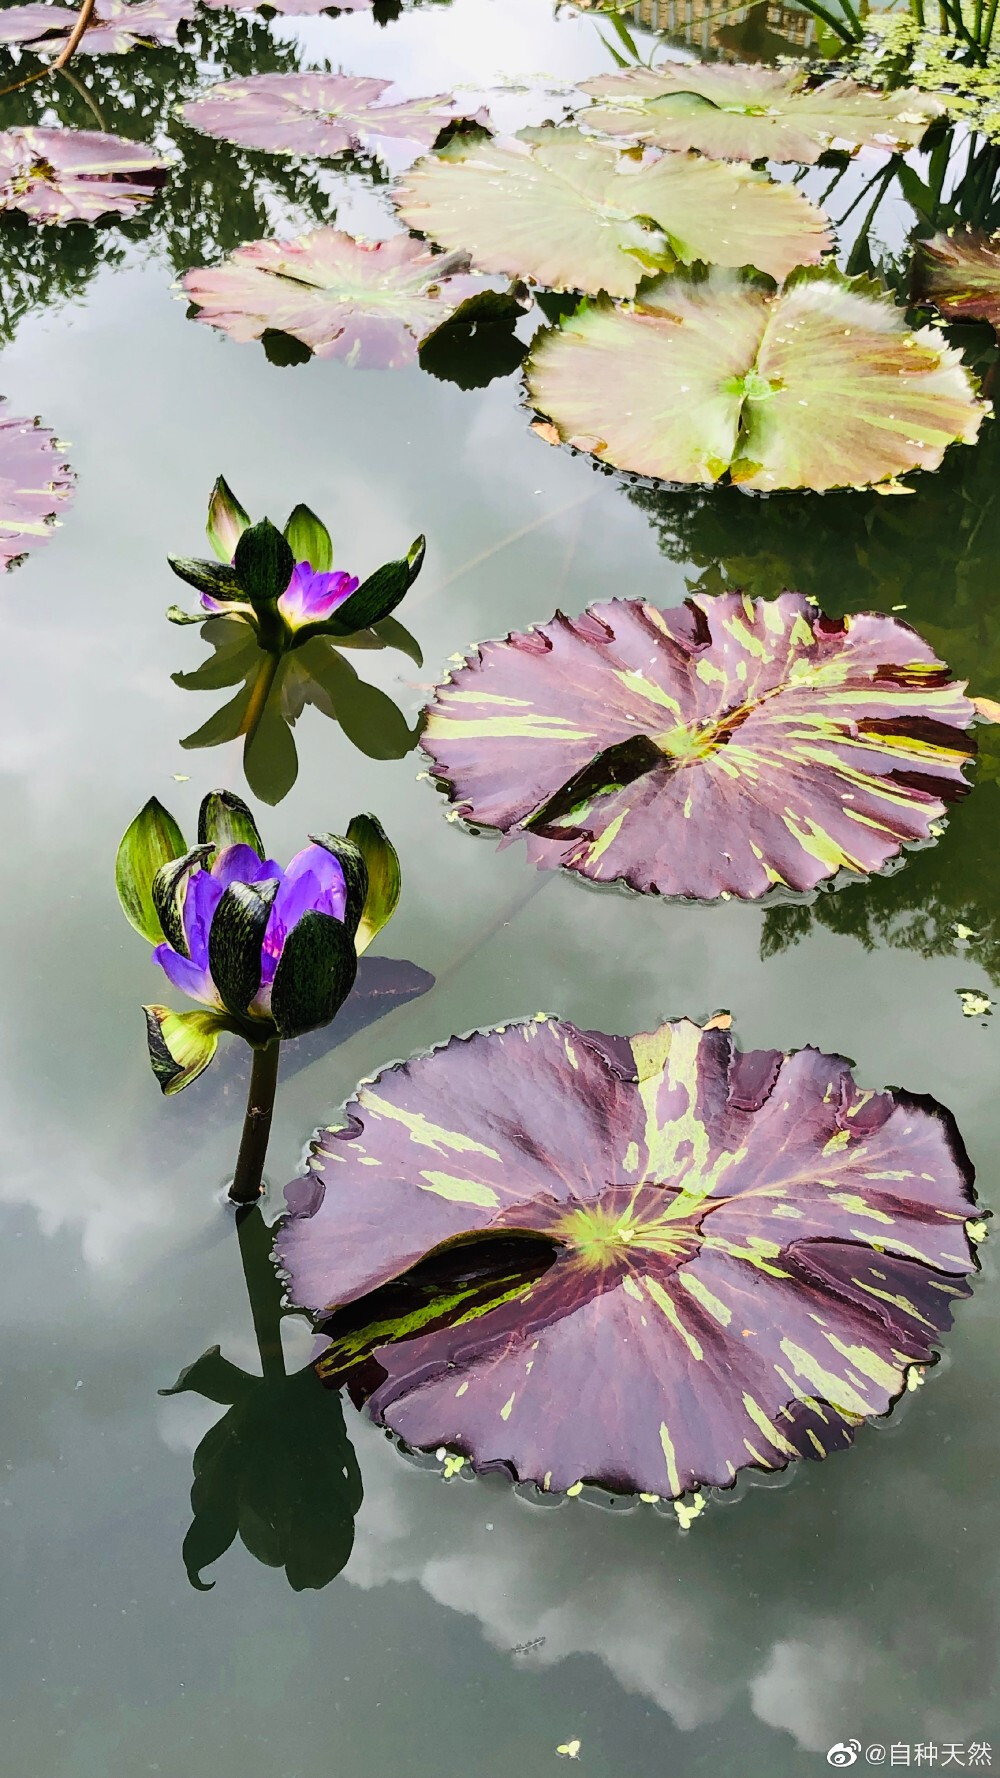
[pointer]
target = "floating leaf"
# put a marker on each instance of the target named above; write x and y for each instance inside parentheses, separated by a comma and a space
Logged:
(75, 175)
(296, 8)
(115, 25)
(319, 115)
(371, 302)
(960, 275)
(35, 484)
(746, 112)
(748, 1252)
(577, 214)
(820, 386)
(716, 749)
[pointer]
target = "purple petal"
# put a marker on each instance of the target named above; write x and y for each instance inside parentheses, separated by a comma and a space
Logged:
(200, 902)
(191, 978)
(240, 864)
(310, 597)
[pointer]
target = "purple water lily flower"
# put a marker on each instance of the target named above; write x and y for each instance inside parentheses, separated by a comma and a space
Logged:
(310, 598)
(314, 879)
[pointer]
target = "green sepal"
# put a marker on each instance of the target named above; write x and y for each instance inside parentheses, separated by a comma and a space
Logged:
(314, 976)
(176, 614)
(224, 820)
(181, 1044)
(352, 863)
(376, 596)
(309, 540)
(151, 841)
(384, 877)
(207, 577)
(169, 886)
(227, 521)
(263, 563)
(235, 938)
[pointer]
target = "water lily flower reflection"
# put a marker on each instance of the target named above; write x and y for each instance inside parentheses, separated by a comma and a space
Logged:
(313, 882)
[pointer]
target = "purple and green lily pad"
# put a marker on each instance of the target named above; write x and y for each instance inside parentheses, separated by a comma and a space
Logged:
(115, 25)
(821, 385)
(960, 275)
(577, 214)
(728, 1260)
(746, 112)
(57, 176)
(370, 302)
(723, 748)
(36, 483)
(299, 8)
(318, 116)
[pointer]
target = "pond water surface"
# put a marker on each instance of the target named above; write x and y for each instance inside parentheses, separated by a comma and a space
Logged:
(468, 1630)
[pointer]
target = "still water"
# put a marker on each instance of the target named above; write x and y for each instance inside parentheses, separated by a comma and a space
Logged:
(467, 1630)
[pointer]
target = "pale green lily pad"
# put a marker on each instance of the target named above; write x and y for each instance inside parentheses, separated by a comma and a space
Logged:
(819, 386)
(746, 112)
(577, 214)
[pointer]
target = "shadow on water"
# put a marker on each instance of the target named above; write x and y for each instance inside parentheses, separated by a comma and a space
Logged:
(278, 1470)
(930, 558)
(274, 694)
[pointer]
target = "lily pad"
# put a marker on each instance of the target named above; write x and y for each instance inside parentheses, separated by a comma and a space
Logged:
(115, 27)
(820, 386)
(720, 748)
(577, 214)
(36, 483)
(317, 115)
(960, 275)
(75, 175)
(746, 112)
(747, 1253)
(371, 302)
(298, 8)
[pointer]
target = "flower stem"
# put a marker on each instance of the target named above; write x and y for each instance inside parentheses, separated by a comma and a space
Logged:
(247, 1183)
(262, 687)
(72, 41)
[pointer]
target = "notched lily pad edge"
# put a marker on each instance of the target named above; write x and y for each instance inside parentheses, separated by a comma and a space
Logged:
(450, 1461)
(777, 896)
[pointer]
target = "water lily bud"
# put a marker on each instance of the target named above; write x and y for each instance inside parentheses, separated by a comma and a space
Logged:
(227, 521)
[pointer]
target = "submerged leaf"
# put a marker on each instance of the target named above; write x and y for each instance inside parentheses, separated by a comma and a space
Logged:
(960, 275)
(750, 1251)
(716, 749)
(35, 483)
(576, 214)
(371, 302)
(75, 175)
(820, 386)
(319, 115)
(746, 112)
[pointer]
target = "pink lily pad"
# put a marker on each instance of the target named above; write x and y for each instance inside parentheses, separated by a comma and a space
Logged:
(319, 115)
(748, 1254)
(298, 8)
(721, 748)
(371, 302)
(75, 175)
(36, 483)
(116, 25)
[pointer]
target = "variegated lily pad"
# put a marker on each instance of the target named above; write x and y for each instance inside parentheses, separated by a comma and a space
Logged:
(318, 115)
(371, 302)
(746, 112)
(960, 275)
(75, 175)
(577, 214)
(820, 386)
(747, 1254)
(36, 483)
(115, 25)
(721, 748)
